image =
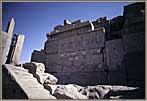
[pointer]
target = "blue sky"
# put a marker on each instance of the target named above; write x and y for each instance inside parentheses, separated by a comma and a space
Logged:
(35, 19)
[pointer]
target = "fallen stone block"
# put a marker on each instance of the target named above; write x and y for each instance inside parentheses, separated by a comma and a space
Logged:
(49, 79)
(34, 67)
(95, 92)
(119, 91)
(46, 78)
(37, 69)
(68, 92)
(51, 88)
(23, 83)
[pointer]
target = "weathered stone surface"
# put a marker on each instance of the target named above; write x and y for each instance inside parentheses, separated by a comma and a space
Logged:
(34, 67)
(16, 52)
(6, 40)
(122, 91)
(49, 79)
(68, 92)
(106, 25)
(133, 13)
(73, 28)
(29, 87)
(135, 94)
(38, 71)
(95, 92)
(70, 87)
(51, 88)
(38, 56)
(118, 77)
(53, 46)
(92, 39)
(115, 53)
(114, 49)
(134, 42)
(81, 78)
(88, 60)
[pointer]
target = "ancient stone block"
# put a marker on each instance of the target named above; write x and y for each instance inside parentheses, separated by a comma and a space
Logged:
(95, 92)
(87, 40)
(114, 54)
(134, 10)
(51, 88)
(49, 79)
(34, 67)
(117, 77)
(134, 42)
(68, 92)
(52, 47)
(38, 69)
(38, 56)
(25, 86)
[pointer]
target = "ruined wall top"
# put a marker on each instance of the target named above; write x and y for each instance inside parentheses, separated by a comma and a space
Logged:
(75, 25)
(70, 26)
(134, 10)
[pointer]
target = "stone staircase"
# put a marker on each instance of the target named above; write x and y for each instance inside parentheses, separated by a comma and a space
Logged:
(29, 84)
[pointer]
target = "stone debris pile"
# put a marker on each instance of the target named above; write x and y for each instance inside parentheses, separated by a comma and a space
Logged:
(73, 91)
(20, 84)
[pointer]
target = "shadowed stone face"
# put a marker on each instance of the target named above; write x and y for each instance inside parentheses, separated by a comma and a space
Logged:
(15, 49)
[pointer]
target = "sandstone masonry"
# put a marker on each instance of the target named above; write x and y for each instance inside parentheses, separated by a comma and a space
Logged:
(99, 52)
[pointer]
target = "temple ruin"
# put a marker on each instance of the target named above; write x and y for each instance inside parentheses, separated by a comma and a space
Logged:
(104, 50)
(101, 59)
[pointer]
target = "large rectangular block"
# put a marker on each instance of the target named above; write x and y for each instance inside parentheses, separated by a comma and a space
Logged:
(88, 60)
(52, 46)
(38, 56)
(88, 40)
(114, 54)
(134, 42)
(117, 77)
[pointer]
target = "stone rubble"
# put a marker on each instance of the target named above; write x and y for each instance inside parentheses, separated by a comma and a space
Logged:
(26, 82)
(38, 71)
(49, 89)
(73, 91)
(68, 92)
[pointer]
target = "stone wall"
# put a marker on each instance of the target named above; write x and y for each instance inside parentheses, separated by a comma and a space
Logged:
(134, 58)
(111, 53)
(77, 57)
(115, 55)
(39, 56)
(104, 23)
